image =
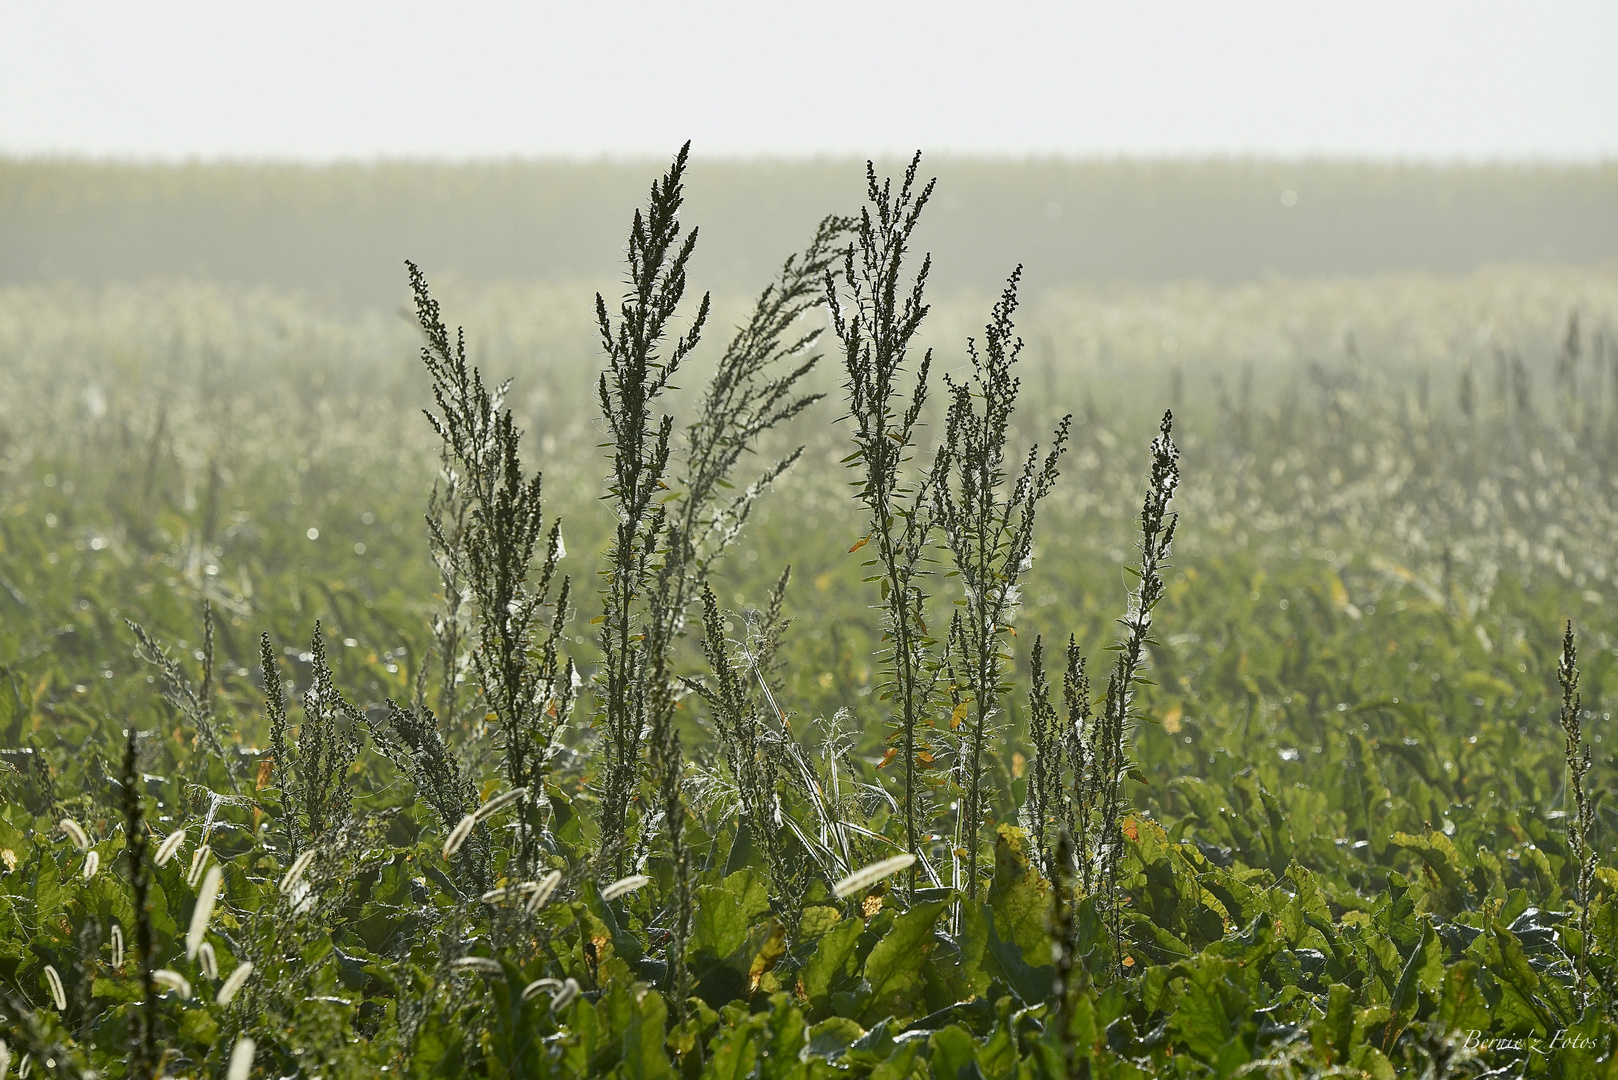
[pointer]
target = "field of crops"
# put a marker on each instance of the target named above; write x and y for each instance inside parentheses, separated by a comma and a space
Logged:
(1250, 744)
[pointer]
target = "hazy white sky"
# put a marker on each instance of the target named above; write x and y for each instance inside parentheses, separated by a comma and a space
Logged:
(338, 78)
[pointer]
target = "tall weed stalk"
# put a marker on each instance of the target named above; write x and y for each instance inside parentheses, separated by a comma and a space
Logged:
(875, 328)
(510, 562)
(676, 516)
(640, 364)
(987, 523)
(143, 1054)
(1581, 822)
(313, 773)
(1111, 765)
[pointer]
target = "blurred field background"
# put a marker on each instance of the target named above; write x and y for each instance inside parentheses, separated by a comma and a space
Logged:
(1391, 382)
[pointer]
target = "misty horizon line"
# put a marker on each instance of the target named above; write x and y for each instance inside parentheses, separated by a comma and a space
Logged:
(1435, 162)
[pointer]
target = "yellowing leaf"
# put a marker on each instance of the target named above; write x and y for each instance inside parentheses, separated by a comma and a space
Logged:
(861, 542)
(959, 714)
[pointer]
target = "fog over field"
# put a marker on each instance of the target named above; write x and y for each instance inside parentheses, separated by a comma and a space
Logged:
(340, 233)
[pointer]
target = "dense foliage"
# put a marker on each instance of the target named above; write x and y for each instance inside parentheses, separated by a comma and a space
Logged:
(561, 800)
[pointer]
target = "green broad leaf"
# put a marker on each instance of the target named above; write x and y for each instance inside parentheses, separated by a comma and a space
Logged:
(1200, 1021)
(198, 1027)
(734, 1054)
(724, 913)
(1329, 1034)
(817, 920)
(518, 1026)
(830, 962)
(901, 1064)
(1424, 970)
(953, 1052)
(116, 989)
(1437, 853)
(1212, 1008)
(830, 1038)
(1520, 1009)
(637, 1017)
(1019, 897)
(1461, 1004)
(893, 970)
(1004, 960)
(786, 1034)
(1372, 1063)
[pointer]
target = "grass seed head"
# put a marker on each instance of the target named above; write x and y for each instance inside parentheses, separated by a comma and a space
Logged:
(203, 912)
(75, 832)
(481, 965)
(233, 985)
(171, 844)
(541, 986)
(866, 876)
(623, 885)
(294, 874)
(241, 1059)
(208, 961)
(199, 862)
(498, 803)
(458, 836)
(539, 892)
(564, 997)
(58, 994)
(173, 980)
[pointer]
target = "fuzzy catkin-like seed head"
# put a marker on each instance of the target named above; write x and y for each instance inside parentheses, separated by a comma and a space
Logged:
(173, 980)
(532, 990)
(58, 993)
(498, 803)
(199, 861)
(458, 836)
(866, 876)
(623, 885)
(539, 892)
(75, 832)
(233, 985)
(564, 997)
(203, 912)
(294, 873)
(482, 965)
(92, 864)
(241, 1059)
(208, 961)
(117, 950)
(170, 845)
(5, 1059)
